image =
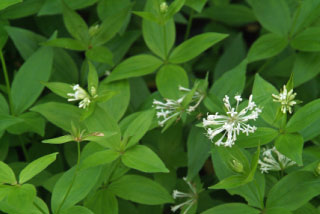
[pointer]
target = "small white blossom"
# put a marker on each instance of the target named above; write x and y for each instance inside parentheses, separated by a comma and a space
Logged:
(286, 99)
(163, 7)
(80, 94)
(231, 124)
(273, 160)
(192, 198)
(171, 108)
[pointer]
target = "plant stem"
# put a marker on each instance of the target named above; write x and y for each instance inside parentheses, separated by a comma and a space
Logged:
(189, 25)
(24, 149)
(6, 77)
(73, 178)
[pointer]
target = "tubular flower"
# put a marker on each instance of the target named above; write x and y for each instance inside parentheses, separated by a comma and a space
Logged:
(192, 198)
(80, 94)
(172, 108)
(231, 124)
(286, 99)
(273, 160)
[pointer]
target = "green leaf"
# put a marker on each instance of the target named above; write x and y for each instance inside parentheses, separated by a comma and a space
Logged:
(293, 191)
(231, 82)
(37, 68)
(6, 3)
(168, 80)
(59, 114)
(174, 8)
(197, 5)
(262, 136)
(100, 54)
(230, 182)
(110, 26)
(198, 151)
(274, 15)
(307, 40)
(66, 43)
(100, 158)
(21, 197)
(76, 209)
(148, 16)
(59, 140)
(143, 159)
(290, 145)
(232, 208)
(23, 9)
(267, 46)
(103, 202)
(93, 78)
(262, 95)
(140, 189)
(71, 189)
(194, 47)
(134, 67)
(7, 120)
(305, 116)
(35, 167)
(277, 211)
(59, 88)
(7, 175)
(75, 25)
(138, 127)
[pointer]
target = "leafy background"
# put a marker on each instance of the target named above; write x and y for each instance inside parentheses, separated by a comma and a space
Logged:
(139, 54)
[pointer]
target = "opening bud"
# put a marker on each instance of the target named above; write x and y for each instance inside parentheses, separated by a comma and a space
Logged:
(236, 166)
(163, 7)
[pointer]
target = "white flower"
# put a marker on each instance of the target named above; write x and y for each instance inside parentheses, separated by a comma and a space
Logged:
(171, 108)
(80, 94)
(273, 160)
(286, 99)
(231, 124)
(192, 198)
(163, 7)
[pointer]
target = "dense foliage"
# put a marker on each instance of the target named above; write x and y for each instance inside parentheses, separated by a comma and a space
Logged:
(147, 106)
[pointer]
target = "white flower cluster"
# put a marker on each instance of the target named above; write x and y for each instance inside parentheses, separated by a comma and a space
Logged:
(80, 94)
(286, 99)
(231, 124)
(188, 203)
(273, 160)
(171, 108)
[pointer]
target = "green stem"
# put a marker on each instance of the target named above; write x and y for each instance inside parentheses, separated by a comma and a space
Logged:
(24, 149)
(73, 178)
(115, 166)
(259, 192)
(186, 36)
(6, 77)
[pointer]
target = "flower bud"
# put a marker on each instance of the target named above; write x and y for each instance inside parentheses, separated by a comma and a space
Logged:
(317, 170)
(93, 30)
(236, 166)
(163, 7)
(93, 91)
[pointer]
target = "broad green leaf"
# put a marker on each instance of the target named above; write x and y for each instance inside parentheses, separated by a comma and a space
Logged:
(277, 211)
(306, 67)
(307, 40)
(262, 136)
(100, 158)
(198, 151)
(262, 95)
(103, 202)
(59, 140)
(23, 9)
(230, 182)
(196, 4)
(59, 88)
(110, 26)
(290, 145)
(35, 167)
(74, 23)
(107, 8)
(100, 54)
(232, 208)
(138, 127)
(169, 78)
(76, 209)
(70, 188)
(140, 189)
(21, 197)
(274, 15)
(59, 114)
(305, 116)
(6, 3)
(294, 190)
(134, 67)
(267, 46)
(4, 107)
(26, 86)
(194, 47)
(66, 43)
(51, 7)
(143, 159)
(231, 82)
(174, 8)
(7, 120)
(7, 175)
